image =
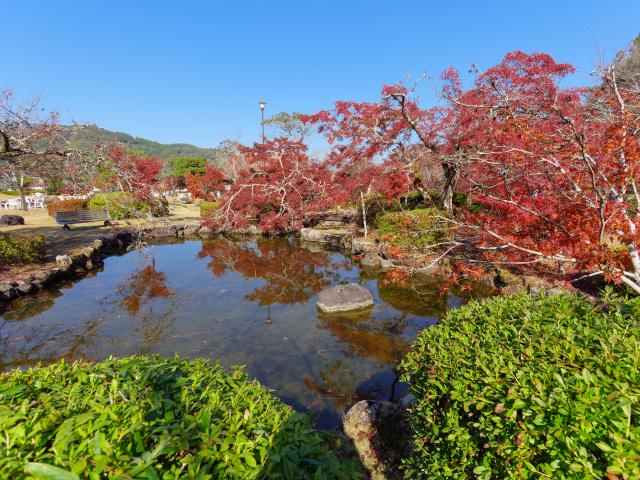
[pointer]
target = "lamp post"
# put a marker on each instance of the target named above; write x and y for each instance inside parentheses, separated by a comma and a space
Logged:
(262, 104)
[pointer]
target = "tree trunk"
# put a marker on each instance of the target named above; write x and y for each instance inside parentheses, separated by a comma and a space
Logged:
(451, 171)
(23, 200)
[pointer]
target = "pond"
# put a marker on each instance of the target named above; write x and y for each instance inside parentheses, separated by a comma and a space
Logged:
(243, 302)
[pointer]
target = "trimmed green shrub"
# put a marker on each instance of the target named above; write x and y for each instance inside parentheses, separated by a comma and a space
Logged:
(21, 248)
(524, 387)
(414, 228)
(14, 193)
(69, 205)
(122, 205)
(207, 207)
(152, 418)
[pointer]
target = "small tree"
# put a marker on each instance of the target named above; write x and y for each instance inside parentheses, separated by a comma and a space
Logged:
(32, 144)
(279, 186)
(290, 125)
(208, 185)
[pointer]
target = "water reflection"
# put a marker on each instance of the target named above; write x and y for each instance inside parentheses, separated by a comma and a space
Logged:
(292, 274)
(208, 298)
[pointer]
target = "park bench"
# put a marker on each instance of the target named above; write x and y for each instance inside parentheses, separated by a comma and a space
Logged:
(82, 216)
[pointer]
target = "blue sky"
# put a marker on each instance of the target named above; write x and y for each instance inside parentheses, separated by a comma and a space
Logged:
(194, 71)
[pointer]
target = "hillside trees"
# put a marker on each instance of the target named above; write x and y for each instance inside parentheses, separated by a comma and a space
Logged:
(181, 166)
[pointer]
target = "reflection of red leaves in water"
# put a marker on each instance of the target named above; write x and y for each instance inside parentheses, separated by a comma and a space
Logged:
(293, 274)
(144, 285)
(396, 277)
(376, 339)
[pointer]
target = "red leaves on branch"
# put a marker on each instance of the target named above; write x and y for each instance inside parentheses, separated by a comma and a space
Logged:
(555, 169)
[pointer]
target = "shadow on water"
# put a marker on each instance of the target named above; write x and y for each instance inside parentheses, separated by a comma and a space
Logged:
(247, 301)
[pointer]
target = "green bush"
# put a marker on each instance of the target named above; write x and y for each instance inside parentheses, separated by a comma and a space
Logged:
(207, 207)
(151, 418)
(14, 193)
(525, 387)
(21, 248)
(414, 228)
(123, 205)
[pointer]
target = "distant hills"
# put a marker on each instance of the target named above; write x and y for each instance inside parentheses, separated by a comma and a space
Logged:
(89, 136)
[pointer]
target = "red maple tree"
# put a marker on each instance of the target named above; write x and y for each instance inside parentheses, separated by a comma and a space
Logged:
(555, 170)
(278, 187)
(205, 186)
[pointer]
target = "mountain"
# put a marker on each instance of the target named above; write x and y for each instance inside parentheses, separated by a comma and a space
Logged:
(88, 136)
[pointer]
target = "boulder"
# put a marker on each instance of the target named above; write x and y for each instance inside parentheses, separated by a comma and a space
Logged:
(64, 261)
(363, 245)
(344, 298)
(11, 220)
(380, 434)
(371, 260)
(334, 237)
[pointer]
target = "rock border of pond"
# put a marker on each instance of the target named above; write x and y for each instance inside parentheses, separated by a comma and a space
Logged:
(88, 258)
(369, 253)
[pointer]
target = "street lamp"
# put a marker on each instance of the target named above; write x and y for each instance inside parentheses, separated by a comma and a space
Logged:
(262, 104)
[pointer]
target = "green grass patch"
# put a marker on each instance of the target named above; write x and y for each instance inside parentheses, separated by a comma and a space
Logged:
(414, 228)
(21, 248)
(152, 418)
(524, 387)
(208, 207)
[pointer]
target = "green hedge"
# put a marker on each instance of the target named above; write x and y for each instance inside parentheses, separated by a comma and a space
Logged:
(149, 417)
(21, 248)
(526, 387)
(123, 205)
(414, 228)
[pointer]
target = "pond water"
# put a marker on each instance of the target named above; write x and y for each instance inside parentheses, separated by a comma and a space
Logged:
(243, 302)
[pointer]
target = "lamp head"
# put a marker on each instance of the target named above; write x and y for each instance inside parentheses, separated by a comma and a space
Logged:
(262, 105)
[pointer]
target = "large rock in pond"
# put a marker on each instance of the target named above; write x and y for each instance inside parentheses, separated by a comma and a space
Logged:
(11, 220)
(344, 298)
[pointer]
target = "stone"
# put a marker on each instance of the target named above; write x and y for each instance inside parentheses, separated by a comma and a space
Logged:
(42, 276)
(7, 292)
(371, 260)
(334, 237)
(11, 220)
(555, 291)
(386, 265)
(344, 298)
(363, 245)
(24, 288)
(380, 434)
(64, 261)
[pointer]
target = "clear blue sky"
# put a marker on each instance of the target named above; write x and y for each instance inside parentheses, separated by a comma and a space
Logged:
(187, 71)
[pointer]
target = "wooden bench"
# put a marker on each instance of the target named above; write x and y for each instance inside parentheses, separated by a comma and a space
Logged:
(82, 216)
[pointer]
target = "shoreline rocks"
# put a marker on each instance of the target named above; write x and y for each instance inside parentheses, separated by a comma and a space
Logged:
(381, 435)
(92, 256)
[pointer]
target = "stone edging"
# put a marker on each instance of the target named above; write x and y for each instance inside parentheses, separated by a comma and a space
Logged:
(88, 258)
